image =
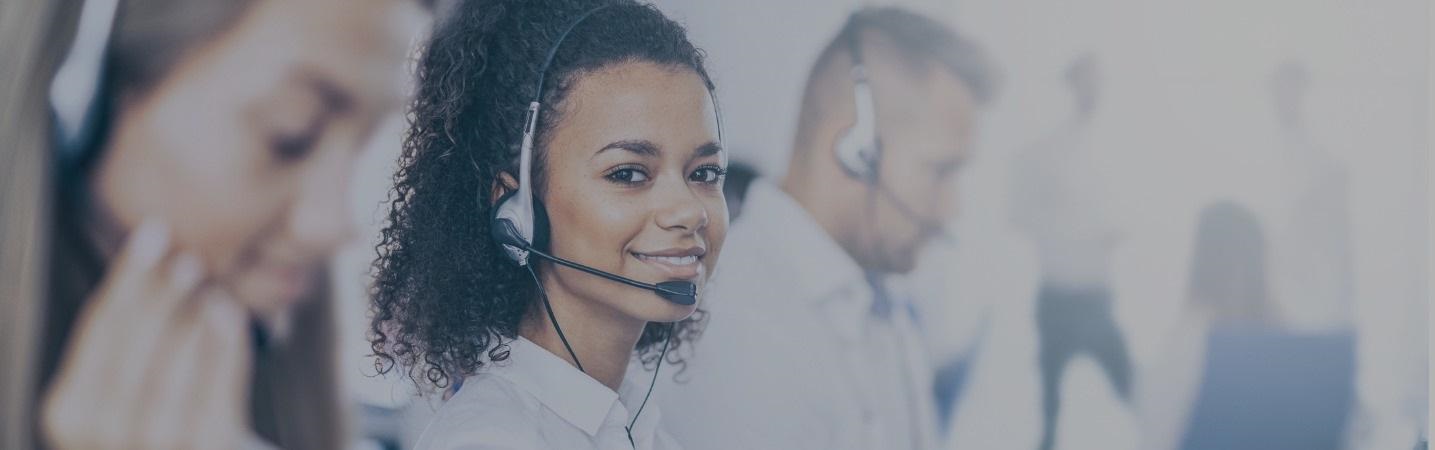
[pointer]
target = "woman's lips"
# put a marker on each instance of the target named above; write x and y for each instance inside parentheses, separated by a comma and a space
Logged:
(674, 267)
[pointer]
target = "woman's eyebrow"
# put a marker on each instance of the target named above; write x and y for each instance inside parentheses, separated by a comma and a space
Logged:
(639, 146)
(706, 150)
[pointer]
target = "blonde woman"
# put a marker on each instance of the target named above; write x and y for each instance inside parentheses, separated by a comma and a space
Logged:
(176, 266)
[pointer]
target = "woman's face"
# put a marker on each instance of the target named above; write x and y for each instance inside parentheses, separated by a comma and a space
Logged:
(634, 174)
(246, 146)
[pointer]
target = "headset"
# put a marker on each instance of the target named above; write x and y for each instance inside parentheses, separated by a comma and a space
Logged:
(76, 97)
(520, 225)
(859, 149)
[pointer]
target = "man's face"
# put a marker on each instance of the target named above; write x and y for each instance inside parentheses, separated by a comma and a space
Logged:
(925, 123)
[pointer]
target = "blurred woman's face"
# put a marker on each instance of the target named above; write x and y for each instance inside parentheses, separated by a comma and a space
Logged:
(245, 148)
(634, 186)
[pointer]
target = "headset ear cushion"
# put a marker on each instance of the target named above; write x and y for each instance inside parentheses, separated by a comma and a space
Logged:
(504, 231)
(874, 157)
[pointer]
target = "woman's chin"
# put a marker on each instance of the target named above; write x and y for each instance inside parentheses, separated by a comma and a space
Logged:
(276, 326)
(271, 308)
(273, 317)
(672, 312)
(266, 296)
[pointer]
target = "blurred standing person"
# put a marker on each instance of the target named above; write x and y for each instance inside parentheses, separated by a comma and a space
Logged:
(1232, 374)
(201, 153)
(1313, 253)
(1057, 203)
(1227, 286)
(1313, 273)
(806, 347)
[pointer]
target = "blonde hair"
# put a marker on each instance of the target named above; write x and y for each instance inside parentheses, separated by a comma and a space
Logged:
(31, 51)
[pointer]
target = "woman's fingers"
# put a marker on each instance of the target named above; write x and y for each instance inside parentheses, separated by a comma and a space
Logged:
(142, 287)
(225, 368)
(82, 392)
(137, 346)
(193, 392)
(111, 300)
(133, 352)
(173, 381)
(132, 269)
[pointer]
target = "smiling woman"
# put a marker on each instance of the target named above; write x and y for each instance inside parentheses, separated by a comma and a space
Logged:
(562, 167)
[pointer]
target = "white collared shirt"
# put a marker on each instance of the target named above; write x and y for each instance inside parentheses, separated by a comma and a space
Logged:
(792, 356)
(535, 400)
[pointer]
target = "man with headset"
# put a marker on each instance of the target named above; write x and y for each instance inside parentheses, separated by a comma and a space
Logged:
(805, 347)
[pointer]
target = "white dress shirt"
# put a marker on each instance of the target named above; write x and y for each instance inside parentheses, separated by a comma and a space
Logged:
(536, 400)
(793, 356)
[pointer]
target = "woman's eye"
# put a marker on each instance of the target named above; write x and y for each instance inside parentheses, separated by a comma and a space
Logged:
(289, 147)
(628, 176)
(708, 174)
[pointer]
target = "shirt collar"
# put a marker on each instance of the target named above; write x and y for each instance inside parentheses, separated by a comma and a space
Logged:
(571, 394)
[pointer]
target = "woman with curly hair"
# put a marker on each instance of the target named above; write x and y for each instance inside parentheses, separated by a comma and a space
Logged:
(562, 155)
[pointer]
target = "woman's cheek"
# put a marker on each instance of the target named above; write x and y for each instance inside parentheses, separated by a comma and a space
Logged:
(609, 217)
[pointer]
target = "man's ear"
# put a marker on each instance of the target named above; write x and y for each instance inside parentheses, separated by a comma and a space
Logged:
(502, 185)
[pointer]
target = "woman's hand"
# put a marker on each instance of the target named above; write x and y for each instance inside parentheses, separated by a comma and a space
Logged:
(156, 360)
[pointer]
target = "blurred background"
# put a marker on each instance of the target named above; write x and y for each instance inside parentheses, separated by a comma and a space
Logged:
(1268, 158)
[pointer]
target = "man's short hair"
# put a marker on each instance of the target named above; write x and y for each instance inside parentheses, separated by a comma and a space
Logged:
(922, 42)
(917, 41)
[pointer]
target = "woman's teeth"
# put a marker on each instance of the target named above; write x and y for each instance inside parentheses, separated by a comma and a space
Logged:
(673, 260)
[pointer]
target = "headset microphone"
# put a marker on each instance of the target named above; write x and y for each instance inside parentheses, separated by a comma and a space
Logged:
(678, 292)
(927, 224)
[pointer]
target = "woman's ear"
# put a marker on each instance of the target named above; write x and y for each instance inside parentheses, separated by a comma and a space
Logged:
(502, 185)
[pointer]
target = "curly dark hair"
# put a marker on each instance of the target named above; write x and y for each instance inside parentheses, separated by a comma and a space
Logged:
(445, 295)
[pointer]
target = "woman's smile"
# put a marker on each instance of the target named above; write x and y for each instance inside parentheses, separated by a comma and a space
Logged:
(675, 263)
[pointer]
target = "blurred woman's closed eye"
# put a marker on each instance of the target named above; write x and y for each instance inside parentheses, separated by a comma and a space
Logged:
(289, 131)
(290, 147)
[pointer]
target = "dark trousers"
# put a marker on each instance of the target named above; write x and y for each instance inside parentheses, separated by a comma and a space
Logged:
(1071, 322)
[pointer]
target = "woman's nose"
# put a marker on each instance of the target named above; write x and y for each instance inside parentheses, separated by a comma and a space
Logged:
(680, 208)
